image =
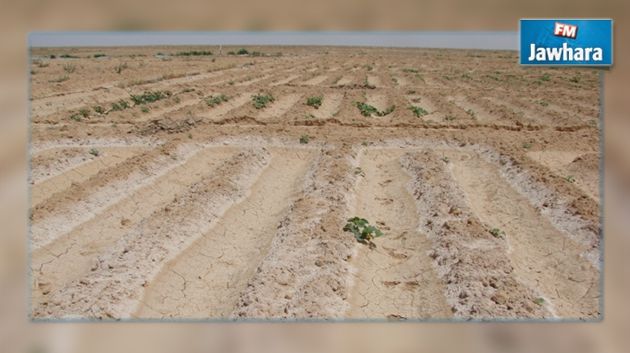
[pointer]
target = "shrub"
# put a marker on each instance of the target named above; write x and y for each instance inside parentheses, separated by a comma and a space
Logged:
(304, 139)
(363, 231)
(95, 152)
(415, 71)
(99, 55)
(314, 102)
(242, 51)
(194, 53)
(261, 100)
(75, 117)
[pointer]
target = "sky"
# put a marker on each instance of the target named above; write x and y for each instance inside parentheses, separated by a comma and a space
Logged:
(460, 40)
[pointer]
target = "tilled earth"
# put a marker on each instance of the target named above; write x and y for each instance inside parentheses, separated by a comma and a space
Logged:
(194, 204)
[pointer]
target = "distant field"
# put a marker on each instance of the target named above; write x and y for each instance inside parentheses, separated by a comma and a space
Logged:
(216, 183)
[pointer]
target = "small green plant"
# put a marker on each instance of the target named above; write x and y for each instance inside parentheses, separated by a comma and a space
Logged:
(471, 113)
(575, 79)
(309, 116)
(67, 56)
(242, 51)
(445, 159)
(314, 102)
(363, 231)
(359, 171)
(99, 55)
(95, 152)
(304, 139)
(527, 145)
(98, 109)
(418, 111)
(69, 68)
(415, 71)
(216, 100)
(75, 117)
(570, 179)
(145, 109)
(368, 110)
(544, 103)
(546, 77)
(150, 97)
(449, 117)
(261, 100)
(120, 105)
(539, 301)
(190, 136)
(497, 233)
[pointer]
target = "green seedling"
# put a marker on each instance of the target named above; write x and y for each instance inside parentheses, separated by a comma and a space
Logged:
(261, 100)
(150, 97)
(95, 152)
(418, 111)
(304, 139)
(368, 110)
(363, 231)
(314, 102)
(497, 233)
(216, 100)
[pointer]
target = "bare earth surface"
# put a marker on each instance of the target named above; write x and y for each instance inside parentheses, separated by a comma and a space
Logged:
(159, 190)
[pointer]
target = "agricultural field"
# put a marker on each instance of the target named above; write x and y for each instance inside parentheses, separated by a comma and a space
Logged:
(312, 183)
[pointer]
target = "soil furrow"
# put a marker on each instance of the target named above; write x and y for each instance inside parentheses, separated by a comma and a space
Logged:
(396, 279)
(542, 256)
(114, 288)
(217, 266)
(72, 256)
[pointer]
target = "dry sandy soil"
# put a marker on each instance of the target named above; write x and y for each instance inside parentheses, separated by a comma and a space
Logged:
(190, 208)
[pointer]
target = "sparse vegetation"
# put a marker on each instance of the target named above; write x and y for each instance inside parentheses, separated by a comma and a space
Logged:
(412, 70)
(539, 301)
(543, 103)
(261, 100)
(545, 77)
(75, 117)
(449, 117)
(242, 51)
(66, 56)
(497, 233)
(527, 145)
(363, 231)
(314, 102)
(304, 139)
(359, 171)
(193, 53)
(216, 100)
(368, 110)
(85, 112)
(99, 55)
(570, 179)
(418, 111)
(98, 109)
(149, 97)
(471, 113)
(145, 109)
(95, 152)
(120, 105)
